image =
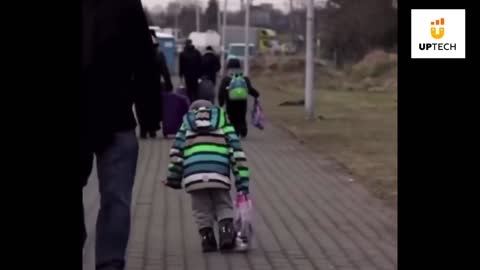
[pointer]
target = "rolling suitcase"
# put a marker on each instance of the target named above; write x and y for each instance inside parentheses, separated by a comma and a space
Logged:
(175, 106)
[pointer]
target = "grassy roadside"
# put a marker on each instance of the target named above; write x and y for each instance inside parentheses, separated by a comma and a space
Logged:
(356, 127)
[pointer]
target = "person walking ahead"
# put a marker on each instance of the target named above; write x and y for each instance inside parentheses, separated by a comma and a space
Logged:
(210, 65)
(162, 83)
(190, 68)
(233, 92)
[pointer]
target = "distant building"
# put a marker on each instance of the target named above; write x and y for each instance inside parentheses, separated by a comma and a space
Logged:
(261, 14)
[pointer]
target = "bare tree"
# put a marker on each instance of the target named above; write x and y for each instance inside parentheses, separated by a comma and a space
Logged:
(351, 28)
(211, 14)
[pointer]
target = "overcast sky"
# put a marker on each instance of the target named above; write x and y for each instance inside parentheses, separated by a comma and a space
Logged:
(232, 4)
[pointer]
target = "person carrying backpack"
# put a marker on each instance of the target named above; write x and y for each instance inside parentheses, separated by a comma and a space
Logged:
(205, 151)
(233, 92)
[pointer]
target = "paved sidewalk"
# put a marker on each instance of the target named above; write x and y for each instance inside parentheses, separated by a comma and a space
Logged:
(308, 215)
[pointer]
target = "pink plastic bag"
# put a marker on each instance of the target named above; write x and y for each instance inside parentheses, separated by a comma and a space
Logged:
(243, 222)
(258, 118)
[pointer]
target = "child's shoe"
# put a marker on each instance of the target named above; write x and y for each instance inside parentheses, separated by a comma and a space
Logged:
(226, 234)
(241, 243)
(209, 243)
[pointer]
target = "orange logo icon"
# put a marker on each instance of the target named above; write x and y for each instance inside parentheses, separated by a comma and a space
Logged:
(441, 31)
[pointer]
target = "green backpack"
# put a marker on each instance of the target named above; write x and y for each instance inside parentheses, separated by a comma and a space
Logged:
(238, 89)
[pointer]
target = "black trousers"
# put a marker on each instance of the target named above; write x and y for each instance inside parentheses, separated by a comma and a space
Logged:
(149, 112)
(237, 114)
(191, 83)
(212, 77)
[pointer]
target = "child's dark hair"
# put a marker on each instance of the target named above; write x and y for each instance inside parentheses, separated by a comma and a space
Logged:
(234, 64)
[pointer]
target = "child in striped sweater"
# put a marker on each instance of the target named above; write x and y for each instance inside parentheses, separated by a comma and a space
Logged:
(205, 151)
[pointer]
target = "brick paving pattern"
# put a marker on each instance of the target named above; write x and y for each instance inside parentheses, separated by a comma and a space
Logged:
(308, 215)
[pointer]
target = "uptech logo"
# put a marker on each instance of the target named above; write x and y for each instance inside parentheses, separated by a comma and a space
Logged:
(437, 31)
(441, 30)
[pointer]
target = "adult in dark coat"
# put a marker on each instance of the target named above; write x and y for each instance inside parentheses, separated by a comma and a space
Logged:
(190, 68)
(210, 65)
(165, 78)
(163, 84)
(117, 72)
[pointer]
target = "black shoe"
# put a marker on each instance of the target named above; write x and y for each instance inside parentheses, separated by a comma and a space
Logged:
(209, 243)
(153, 134)
(226, 234)
(243, 132)
(143, 134)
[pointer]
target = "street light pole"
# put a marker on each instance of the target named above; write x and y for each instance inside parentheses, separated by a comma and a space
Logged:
(197, 16)
(309, 63)
(175, 31)
(292, 23)
(246, 63)
(219, 20)
(224, 29)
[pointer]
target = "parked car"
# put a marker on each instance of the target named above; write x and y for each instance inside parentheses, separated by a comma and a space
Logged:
(237, 50)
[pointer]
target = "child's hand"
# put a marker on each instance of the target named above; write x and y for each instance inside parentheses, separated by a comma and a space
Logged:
(242, 195)
(243, 192)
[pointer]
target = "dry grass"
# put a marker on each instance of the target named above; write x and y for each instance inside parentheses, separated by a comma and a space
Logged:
(356, 128)
(376, 72)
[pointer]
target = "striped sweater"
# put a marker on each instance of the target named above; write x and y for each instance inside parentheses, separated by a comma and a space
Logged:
(205, 151)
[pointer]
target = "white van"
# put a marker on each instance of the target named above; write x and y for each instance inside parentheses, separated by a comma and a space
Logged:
(203, 39)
